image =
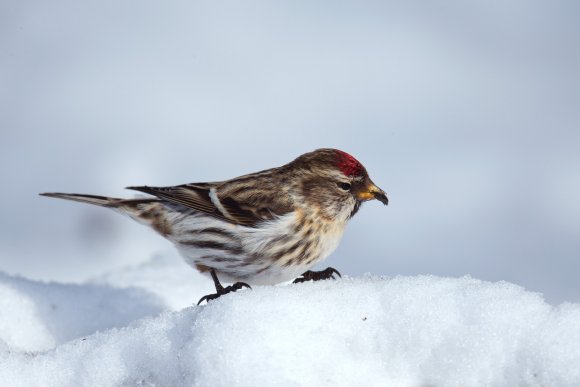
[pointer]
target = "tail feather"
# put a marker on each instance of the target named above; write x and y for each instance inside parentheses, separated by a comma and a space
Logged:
(91, 199)
(103, 201)
(148, 211)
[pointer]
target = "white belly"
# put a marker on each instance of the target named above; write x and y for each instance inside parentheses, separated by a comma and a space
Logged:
(256, 258)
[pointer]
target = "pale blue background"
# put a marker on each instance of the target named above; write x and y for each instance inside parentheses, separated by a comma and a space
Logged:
(466, 112)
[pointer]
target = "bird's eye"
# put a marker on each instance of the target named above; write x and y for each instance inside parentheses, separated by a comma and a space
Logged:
(344, 186)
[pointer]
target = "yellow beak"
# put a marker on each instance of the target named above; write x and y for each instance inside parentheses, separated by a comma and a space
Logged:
(370, 192)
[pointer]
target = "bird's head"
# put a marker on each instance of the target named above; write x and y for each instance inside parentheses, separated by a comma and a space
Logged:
(335, 182)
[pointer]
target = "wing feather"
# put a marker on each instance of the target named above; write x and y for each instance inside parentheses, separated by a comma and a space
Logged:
(197, 196)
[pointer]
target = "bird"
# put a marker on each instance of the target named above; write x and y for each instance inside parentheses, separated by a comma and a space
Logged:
(262, 228)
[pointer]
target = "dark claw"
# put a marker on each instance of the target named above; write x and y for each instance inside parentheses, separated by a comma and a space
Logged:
(333, 271)
(220, 292)
(310, 275)
(208, 298)
(239, 285)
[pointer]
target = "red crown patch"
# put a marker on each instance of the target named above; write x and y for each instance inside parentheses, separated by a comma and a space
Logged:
(349, 165)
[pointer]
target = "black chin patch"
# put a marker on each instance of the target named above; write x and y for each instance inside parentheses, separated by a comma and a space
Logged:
(355, 209)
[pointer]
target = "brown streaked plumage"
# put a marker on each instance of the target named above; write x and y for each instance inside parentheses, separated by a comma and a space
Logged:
(261, 228)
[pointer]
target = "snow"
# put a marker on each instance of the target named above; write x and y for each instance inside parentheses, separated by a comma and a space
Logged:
(401, 331)
(38, 316)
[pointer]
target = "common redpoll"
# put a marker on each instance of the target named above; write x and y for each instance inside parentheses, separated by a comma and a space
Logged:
(263, 228)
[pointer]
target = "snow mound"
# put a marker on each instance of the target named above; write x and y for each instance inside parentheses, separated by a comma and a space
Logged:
(404, 331)
(38, 316)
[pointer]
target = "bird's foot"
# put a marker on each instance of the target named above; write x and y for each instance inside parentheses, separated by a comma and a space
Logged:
(220, 292)
(310, 275)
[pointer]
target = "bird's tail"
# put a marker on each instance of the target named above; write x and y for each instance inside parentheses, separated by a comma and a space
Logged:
(148, 211)
(91, 199)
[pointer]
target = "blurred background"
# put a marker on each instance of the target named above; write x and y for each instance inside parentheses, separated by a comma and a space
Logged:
(466, 112)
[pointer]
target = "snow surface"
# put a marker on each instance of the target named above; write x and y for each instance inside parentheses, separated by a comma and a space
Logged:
(402, 331)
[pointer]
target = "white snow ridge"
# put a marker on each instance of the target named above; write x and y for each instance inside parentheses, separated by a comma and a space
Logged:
(403, 331)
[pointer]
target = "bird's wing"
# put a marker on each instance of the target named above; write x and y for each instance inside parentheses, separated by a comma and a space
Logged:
(210, 199)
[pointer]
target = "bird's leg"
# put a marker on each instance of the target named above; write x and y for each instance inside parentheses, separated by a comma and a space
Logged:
(310, 275)
(220, 290)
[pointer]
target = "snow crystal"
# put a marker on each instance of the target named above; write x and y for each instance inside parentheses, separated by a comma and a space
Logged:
(404, 331)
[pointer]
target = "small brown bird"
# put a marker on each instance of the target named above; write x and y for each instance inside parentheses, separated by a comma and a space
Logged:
(263, 228)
